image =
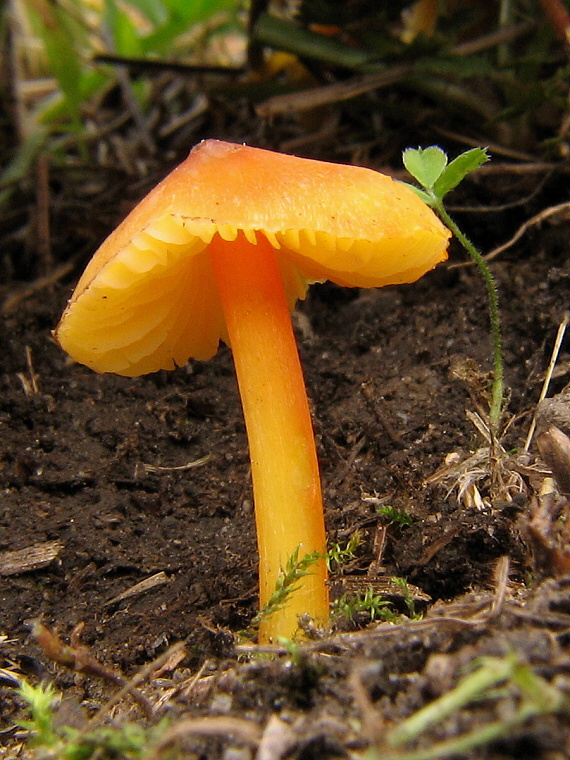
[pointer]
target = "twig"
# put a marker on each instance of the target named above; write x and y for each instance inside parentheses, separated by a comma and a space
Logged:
(77, 656)
(496, 149)
(13, 301)
(152, 64)
(332, 93)
(502, 207)
(346, 641)
(498, 37)
(537, 219)
(130, 686)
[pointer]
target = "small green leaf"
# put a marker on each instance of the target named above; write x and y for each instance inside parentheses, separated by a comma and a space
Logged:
(425, 164)
(458, 169)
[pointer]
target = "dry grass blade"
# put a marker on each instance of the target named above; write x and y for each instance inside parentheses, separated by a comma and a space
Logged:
(29, 382)
(158, 579)
(188, 466)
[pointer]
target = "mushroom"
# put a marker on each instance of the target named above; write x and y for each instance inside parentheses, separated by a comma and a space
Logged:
(221, 250)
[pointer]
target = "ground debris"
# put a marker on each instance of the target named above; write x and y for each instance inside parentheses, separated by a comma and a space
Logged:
(31, 558)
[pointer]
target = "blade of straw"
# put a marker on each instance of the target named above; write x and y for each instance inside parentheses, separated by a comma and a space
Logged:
(548, 376)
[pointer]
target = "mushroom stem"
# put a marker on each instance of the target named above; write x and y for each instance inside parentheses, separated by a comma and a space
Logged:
(285, 474)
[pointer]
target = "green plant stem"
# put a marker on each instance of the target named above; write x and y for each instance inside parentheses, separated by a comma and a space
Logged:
(538, 698)
(497, 391)
(468, 689)
(289, 36)
(466, 743)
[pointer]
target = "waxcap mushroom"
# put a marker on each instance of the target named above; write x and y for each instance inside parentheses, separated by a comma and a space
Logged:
(223, 248)
(148, 300)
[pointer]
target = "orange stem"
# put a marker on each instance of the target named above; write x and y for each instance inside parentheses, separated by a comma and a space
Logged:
(285, 474)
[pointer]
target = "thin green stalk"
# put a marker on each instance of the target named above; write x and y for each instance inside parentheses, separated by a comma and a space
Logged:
(288, 36)
(470, 688)
(437, 177)
(538, 697)
(466, 743)
(497, 390)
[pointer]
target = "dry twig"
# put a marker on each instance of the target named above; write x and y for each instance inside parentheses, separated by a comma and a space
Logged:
(77, 656)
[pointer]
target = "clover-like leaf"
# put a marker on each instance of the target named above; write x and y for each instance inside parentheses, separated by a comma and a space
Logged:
(425, 164)
(458, 169)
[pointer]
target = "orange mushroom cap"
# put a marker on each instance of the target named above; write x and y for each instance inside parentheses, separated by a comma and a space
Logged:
(148, 301)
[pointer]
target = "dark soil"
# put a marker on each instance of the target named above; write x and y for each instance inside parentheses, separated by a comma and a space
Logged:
(78, 453)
